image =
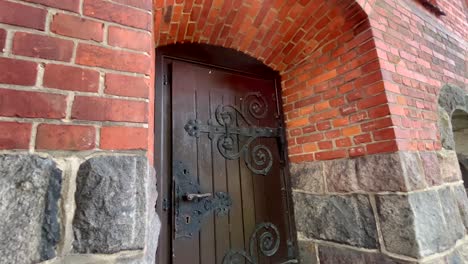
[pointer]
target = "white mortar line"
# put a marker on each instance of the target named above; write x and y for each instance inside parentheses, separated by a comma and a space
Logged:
(433, 188)
(85, 154)
(337, 245)
(373, 204)
(66, 92)
(39, 77)
(70, 100)
(66, 63)
(80, 7)
(129, 6)
(73, 122)
(81, 12)
(105, 31)
(74, 51)
(32, 140)
(102, 84)
(48, 21)
(97, 140)
(39, 60)
(8, 42)
(77, 40)
(317, 255)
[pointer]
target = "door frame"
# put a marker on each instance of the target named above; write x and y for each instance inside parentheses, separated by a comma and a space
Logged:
(212, 56)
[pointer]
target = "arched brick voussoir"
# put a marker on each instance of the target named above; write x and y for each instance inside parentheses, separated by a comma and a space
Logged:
(278, 33)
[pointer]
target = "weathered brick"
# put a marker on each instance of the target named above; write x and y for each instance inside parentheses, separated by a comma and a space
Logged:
(117, 13)
(22, 15)
(143, 4)
(124, 85)
(69, 5)
(2, 39)
(14, 135)
(31, 104)
(71, 78)
(44, 47)
(65, 137)
(382, 147)
(328, 155)
(124, 138)
(105, 109)
(129, 39)
(17, 72)
(77, 27)
(92, 55)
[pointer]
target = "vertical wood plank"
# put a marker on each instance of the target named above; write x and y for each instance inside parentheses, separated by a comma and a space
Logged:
(220, 185)
(236, 223)
(184, 147)
(207, 232)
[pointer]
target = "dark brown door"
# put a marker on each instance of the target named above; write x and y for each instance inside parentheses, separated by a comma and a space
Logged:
(229, 201)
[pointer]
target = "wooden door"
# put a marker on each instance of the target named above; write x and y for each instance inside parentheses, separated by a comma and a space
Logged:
(228, 187)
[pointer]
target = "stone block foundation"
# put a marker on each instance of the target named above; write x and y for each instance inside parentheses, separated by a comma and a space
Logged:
(71, 210)
(402, 207)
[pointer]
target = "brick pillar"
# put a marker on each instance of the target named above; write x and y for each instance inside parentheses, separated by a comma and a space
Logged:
(74, 68)
(75, 84)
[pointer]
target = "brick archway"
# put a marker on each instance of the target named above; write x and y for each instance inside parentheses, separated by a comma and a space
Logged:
(324, 52)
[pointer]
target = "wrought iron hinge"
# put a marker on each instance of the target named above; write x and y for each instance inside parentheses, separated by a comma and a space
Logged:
(267, 237)
(165, 79)
(282, 146)
(225, 127)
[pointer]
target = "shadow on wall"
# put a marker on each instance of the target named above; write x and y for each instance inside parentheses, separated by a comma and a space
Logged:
(453, 124)
(460, 136)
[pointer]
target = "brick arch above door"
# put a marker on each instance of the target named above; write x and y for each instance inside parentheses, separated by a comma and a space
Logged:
(332, 84)
(282, 34)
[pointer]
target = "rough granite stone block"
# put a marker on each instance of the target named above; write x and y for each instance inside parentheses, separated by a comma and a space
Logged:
(307, 176)
(111, 204)
(307, 253)
(30, 189)
(341, 175)
(453, 218)
(462, 201)
(449, 167)
(346, 219)
(333, 255)
(463, 252)
(444, 123)
(414, 225)
(412, 170)
(381, 172)
(431, 168)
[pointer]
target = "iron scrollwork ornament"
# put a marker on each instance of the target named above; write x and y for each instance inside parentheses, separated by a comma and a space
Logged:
(225, 128)
(191, 206)
(266, 238)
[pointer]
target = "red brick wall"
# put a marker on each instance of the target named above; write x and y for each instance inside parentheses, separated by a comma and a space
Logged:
(359, 77)
(75, 74)
(419, 53)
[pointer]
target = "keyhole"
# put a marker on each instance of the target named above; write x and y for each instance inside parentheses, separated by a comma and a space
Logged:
(187, 220)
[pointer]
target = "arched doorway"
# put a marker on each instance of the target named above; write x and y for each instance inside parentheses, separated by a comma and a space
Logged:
(224, 175)
(332, 92)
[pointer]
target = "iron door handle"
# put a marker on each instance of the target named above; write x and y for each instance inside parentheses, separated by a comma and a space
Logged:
(192, 196)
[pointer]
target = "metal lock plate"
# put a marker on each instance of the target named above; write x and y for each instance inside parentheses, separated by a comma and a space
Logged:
(191, 205)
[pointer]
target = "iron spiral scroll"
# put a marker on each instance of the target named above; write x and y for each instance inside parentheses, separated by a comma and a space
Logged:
(266, 238)
(225, 128)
